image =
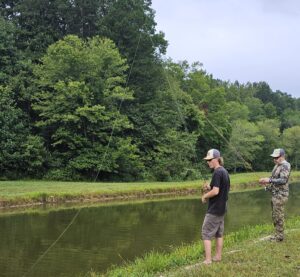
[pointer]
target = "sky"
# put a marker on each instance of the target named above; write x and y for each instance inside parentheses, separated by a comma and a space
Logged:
(243, 40)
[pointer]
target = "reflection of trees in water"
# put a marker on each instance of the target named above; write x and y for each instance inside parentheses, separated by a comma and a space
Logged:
(249, 208)
(294, 200)
(97, 237)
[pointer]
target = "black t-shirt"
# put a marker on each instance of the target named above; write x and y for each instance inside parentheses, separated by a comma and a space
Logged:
(220, 179)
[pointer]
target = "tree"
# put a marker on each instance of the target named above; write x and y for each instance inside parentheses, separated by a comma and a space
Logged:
(290, 118)
(81, 85)
(269, 129)
(209, 96)
(21, 154)
(131, 25)
(291, 143)
(166, 130)
(279, 99)
(263, 92)
(270, 110)
(8, 52)
(244, 143)
(256, 109)
(236, 111)
(217, 128)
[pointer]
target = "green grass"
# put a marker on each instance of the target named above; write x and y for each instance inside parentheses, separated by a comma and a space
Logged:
(28, 192)
(253, 258)
(243, 255)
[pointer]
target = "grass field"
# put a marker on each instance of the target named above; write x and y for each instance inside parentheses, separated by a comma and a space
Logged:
(30, 192)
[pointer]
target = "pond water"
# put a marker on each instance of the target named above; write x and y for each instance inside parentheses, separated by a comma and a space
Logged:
(113, 234)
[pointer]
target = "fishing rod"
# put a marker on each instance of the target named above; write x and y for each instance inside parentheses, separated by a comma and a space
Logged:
(206, 175)
(246, 164)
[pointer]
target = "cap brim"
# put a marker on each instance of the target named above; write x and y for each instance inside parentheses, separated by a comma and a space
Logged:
(274, 156)
(207, 158)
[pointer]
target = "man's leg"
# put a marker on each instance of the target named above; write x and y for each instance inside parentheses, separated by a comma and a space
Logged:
(219, 241)
(207, 247)
(278, 217)
(208, 231)
(219, 247)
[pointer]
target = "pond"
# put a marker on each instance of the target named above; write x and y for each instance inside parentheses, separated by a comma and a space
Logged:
(113, 234)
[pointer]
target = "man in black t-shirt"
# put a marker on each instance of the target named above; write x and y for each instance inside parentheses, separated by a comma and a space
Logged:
(217, 195)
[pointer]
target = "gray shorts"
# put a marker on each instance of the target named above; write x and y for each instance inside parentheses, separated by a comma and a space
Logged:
(213, 226)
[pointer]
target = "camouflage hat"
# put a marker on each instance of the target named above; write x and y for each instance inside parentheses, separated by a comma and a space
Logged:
(212, 154)
(277, 153)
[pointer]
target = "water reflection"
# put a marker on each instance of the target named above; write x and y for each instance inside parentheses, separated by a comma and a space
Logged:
(106, 235)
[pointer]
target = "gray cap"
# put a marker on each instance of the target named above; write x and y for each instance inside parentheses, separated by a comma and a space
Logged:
(277, 153)
(212, 154)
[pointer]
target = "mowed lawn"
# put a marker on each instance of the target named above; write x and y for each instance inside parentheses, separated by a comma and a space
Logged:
(33, 189)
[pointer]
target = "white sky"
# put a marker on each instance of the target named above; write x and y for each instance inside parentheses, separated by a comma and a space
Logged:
(244, 40)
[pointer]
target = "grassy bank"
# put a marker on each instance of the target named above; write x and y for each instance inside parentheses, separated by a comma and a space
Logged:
(245, 254)
(21, 193)
(253, 258)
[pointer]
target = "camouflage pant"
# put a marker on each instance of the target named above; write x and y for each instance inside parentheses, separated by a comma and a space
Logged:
(278, 215)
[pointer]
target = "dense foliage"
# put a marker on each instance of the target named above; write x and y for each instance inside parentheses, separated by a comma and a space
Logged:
(86, 94)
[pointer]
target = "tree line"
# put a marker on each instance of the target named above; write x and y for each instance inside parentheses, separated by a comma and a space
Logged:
(85, 94)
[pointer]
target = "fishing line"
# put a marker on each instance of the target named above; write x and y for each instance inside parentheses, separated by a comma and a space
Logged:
(246, 164)
(174, 95)
(120, 105)
(52, 245)
(107, 146)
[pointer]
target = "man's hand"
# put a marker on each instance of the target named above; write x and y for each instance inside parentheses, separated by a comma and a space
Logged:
(212, 193)
(264, 181)
(206, 187)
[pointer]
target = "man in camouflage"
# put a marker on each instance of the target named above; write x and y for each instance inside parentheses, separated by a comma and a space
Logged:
(278, 185)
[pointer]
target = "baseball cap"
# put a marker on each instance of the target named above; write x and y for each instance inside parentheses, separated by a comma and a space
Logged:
(212, 154)
(277, 153)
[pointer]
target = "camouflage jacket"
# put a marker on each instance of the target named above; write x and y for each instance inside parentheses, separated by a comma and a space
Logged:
(279, 185)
